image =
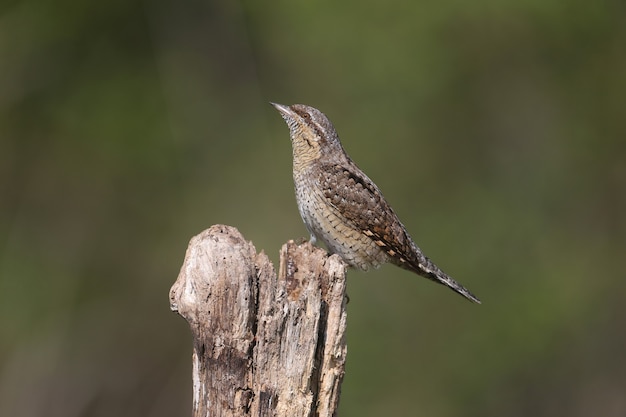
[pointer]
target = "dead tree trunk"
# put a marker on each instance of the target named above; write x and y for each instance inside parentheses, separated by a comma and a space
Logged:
(262, 345)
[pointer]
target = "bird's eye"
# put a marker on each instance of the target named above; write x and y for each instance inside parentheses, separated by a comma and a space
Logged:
(306, 116)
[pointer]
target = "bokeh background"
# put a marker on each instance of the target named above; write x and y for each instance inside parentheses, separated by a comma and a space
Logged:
(497, 130)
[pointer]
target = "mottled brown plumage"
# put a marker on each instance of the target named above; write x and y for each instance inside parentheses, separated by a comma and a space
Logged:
(342, 207)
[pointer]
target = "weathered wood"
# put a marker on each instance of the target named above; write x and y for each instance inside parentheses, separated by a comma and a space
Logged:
(263, 345)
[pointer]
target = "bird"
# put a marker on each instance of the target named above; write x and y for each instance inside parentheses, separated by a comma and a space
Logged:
(343, 208)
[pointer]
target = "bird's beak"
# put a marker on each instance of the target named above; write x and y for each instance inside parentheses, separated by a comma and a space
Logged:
(284, 110)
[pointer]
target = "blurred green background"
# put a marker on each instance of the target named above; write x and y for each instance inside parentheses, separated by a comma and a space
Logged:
(496, 129)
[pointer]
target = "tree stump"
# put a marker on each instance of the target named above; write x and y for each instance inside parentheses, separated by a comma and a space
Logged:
(262, 345)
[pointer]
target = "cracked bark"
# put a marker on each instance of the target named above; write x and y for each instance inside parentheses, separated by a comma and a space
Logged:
(262, 345)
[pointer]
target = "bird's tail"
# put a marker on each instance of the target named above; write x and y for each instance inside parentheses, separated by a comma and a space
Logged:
(426, 268)
(442, 278)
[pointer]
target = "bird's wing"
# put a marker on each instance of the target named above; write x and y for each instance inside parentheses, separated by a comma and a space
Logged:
(362, 204)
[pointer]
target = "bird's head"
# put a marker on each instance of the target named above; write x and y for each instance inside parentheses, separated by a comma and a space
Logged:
(313, 136)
